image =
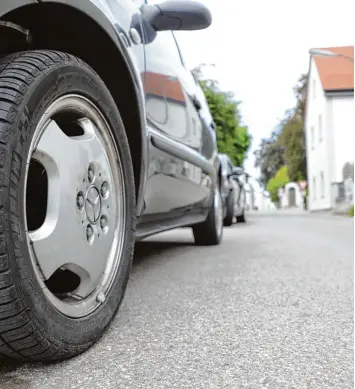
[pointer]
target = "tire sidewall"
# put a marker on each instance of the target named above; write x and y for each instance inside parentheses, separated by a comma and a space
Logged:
(60, 79)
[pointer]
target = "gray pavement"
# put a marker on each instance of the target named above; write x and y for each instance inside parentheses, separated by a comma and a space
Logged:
(272, 307)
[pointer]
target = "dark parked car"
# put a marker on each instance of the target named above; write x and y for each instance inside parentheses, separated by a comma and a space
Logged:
(105, 139)
(232, 191)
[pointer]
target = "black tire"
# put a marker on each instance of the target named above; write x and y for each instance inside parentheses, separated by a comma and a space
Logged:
(30, 327)
(228, 220)
(241, 218)
(208, 233)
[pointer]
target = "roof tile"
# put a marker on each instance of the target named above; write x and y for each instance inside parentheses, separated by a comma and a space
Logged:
(336, 72)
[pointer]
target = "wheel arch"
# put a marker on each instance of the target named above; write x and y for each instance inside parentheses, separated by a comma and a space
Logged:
(88, 34)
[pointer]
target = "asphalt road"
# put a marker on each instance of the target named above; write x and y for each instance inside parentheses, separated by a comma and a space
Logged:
(272, 307)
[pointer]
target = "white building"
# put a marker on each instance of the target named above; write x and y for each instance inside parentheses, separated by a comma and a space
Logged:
(291, 196)
(263, 201)
(329, 124)
(256, 198)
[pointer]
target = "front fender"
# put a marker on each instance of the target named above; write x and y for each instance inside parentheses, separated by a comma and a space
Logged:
(9, 5)
(116, 28)
(116, 23)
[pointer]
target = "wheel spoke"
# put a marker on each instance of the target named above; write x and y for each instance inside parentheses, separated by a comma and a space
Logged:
(71, 236)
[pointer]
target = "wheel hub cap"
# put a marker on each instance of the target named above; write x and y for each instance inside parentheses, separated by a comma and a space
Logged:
(93, 205)
(83, 231)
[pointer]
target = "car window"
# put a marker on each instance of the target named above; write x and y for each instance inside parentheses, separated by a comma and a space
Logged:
(168, 33)
(178, 48)
(167, 40)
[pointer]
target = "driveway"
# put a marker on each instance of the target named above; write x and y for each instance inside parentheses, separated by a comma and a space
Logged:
(272, 307)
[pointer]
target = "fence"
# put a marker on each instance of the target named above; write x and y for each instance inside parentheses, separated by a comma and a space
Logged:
(343, 195)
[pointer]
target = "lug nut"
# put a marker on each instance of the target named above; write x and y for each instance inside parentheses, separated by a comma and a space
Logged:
(104, 189)
(103, 222)
(89, 233)
(101, 298)
(80, 201)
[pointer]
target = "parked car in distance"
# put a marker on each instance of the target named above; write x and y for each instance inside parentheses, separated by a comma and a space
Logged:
(232, 191)
(104, 141)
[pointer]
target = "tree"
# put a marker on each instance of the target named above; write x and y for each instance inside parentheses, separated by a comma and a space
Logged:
(292, 136)
(293, 140)
(280, 179)
(269, 157)
(286, 145)
(300, 91)
(233, 137)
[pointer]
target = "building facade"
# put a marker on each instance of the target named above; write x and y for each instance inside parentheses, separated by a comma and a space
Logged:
(329, 126)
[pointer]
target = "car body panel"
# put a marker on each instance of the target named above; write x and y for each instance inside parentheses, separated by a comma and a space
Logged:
(117, 18)
(179, 161)
(9, 5)
(182, 178)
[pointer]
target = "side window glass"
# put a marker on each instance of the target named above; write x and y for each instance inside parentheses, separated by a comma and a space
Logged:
(179, 51)
(168, 36)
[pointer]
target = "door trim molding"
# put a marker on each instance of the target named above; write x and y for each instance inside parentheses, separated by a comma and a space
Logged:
(181, 151)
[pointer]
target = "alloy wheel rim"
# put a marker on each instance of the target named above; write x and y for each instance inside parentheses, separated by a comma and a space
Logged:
(82, 233)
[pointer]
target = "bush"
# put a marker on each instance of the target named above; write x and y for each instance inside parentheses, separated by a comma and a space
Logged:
(351, 211)
(278, 181)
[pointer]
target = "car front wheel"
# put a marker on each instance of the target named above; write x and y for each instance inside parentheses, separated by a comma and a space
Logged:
(67, 206)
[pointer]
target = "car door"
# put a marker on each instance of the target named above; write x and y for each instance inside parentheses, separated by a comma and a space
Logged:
(176, 169)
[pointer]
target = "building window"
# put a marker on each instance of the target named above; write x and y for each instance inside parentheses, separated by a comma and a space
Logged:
(312, 137)
(314, 88)
(322, 185)
(320, 129)
(314, 188)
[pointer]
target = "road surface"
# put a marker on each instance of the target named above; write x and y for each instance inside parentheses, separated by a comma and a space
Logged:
(272, 307)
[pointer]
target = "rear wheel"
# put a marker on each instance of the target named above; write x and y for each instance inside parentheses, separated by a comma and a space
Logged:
(67, 210)
(241, 218)
(210, 231)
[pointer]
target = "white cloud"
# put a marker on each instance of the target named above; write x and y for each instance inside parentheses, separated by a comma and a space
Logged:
(260, 49)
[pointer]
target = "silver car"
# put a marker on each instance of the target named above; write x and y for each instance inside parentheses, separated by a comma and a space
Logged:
(233, 179)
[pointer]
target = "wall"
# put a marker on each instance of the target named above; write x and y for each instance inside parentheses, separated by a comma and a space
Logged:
(318, 144)
(249, 197)
(284, 200)
(343, 133)
(263, 201)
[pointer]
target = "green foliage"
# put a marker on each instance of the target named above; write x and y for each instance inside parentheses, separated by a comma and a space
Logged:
(351, 211)
(233, 137)
(286, 145)
(269, 158)
(280, 179)
(292, 137)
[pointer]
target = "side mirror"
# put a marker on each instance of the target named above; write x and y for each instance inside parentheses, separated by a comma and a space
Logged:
(174, 15)
(237, 171)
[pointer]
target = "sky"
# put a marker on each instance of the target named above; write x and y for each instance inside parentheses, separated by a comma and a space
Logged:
(260, 49)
